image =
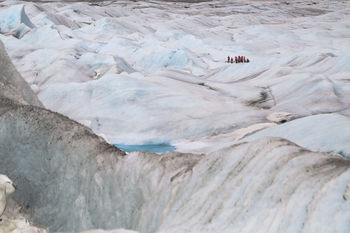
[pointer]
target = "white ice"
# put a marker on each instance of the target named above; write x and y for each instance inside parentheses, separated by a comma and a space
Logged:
(155, 72)
(324, 133)
(15, 22)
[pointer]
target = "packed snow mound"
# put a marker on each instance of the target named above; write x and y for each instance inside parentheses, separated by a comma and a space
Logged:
(14, 21)
(137, 105)
(12, 85)
(321, 133)
(324, 133)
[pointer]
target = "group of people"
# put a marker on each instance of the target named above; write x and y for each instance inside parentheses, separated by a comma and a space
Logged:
(238, 59)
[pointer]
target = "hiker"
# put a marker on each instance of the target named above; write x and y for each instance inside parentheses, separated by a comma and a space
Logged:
(231, 59)
(236, 59)
(244, 60)
(228, 59)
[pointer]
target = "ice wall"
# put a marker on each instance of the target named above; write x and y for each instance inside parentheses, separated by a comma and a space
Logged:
(269, 185)
(70, 180)
(12, 85)
(15, 22)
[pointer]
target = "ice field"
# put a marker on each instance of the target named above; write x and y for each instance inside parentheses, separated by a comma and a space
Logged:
(259, 147)
(152, 73)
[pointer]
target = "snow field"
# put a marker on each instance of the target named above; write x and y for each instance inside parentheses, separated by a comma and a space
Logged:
(118, 63)
(96, 65)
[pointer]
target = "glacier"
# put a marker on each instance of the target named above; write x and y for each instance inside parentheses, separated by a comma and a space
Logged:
(123, 62)
(14, 21)
(260, 147)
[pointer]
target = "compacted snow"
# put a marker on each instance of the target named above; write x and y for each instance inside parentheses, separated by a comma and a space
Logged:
(265, 144)
(155, 72)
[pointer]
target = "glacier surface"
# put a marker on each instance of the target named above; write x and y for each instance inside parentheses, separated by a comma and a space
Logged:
(154, 72)
(265, 144)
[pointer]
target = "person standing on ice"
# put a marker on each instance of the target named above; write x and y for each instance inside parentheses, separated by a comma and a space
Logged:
(228, 59)
(231, 59)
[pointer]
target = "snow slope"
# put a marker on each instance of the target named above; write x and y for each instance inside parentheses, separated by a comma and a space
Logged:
(154, 72)
(324, 132)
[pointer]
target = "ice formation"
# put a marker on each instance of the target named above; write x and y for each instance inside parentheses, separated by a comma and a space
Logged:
(140, 76)
(12, 86)
(136, 73)
(324, 132)
(14, 21)
(6, 188)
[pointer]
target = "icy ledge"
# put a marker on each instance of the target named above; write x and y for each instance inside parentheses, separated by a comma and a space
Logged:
(323, 132)
(15, 22)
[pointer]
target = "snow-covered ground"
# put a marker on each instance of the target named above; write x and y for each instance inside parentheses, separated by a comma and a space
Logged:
(155, 72)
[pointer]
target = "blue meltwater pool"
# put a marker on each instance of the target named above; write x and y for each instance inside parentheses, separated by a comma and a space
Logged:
(156, 148)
